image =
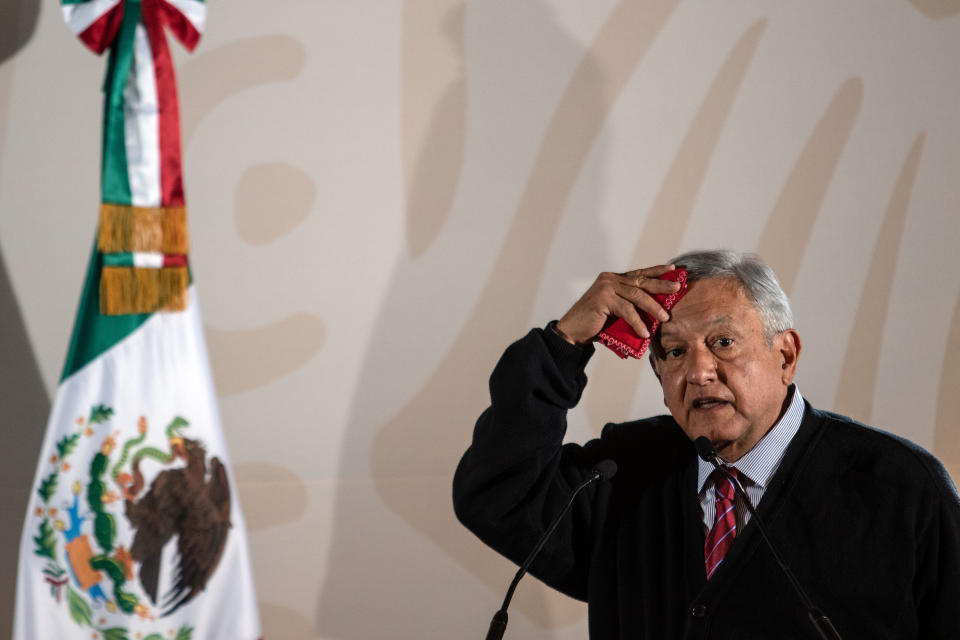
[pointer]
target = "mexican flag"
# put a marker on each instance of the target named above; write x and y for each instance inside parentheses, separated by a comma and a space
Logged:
(134, 529)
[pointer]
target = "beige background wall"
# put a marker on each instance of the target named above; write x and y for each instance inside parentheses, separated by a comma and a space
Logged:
(383, 194)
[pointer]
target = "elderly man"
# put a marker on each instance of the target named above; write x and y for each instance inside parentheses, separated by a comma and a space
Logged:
(869, 523)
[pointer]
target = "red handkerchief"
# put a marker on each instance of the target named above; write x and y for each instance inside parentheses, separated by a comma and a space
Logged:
(620, 336)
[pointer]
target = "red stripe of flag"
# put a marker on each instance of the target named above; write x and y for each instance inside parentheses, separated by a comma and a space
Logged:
(171, 168)
(174, 260)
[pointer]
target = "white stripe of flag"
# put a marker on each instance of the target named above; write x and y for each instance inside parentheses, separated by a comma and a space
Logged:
(79, 17)
(142, 125)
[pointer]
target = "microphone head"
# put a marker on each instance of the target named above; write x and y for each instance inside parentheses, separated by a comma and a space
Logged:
(704, 449)
(606, 469)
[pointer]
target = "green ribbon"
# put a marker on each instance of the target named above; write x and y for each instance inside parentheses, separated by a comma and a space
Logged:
(122, 259)
(115, 181)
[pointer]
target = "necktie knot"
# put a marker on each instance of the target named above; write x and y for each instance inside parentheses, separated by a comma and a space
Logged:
(723, 484)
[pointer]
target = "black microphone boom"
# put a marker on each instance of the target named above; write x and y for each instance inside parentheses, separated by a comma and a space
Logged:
(604, 470)
(818, 619)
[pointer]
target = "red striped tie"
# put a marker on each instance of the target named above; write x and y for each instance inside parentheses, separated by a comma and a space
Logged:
(724, 530)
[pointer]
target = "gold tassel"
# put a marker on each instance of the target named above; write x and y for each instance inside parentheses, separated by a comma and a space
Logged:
(149, 229)
(126, 290)
(175, 237)
(173, 288)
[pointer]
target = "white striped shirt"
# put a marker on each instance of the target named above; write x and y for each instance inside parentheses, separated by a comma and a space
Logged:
(756, 468)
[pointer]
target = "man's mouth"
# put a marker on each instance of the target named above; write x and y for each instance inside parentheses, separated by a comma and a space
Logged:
(707, 404)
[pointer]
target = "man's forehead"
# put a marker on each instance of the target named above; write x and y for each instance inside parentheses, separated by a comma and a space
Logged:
(709, 303)
(721, 320)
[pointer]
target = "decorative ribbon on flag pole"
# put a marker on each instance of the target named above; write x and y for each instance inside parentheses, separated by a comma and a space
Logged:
(143, 208)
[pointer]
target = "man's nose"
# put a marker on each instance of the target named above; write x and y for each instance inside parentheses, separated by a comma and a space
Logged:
(701, 366)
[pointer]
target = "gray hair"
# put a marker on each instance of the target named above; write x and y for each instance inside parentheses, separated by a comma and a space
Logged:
(755, 278)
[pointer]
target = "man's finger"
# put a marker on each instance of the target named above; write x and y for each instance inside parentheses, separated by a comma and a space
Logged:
(650, 272)
(652, 285)
(624, 309)
(643, 300)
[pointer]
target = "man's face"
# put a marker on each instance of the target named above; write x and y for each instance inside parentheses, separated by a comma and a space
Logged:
(720, 377)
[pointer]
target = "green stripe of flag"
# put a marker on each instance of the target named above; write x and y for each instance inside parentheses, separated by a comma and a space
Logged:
(94, 333)
(115, 182)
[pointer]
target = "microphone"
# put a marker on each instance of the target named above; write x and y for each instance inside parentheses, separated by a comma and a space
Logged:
(818, 619)
(604, 470)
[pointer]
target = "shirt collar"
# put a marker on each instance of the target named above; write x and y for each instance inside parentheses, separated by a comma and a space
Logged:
(760, 463)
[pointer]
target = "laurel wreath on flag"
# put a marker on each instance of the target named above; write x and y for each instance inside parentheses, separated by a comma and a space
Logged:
(82, 582)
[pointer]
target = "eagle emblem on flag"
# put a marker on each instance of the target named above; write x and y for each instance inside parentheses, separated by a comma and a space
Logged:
(87, 555)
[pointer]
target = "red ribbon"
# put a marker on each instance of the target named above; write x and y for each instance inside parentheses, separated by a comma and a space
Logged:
(155, 15)
(102, 33)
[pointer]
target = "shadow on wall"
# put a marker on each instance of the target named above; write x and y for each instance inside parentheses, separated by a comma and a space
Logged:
(947, 426)
(937, 9)
(398, 566)
(23, 398)
(434, 118)
(245, 359)
(24, 403)
(18, 22)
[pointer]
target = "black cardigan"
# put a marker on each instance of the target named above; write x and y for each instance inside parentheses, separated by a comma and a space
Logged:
(869, 522)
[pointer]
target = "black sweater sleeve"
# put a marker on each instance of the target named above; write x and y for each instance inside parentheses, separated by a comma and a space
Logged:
(517, 475)
(937, 588)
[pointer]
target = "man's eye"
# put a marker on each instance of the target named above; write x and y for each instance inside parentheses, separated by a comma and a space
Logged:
(723, 342)
(674, 353)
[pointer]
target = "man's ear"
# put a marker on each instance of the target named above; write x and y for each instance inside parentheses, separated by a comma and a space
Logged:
(788, 345)
(653, 365)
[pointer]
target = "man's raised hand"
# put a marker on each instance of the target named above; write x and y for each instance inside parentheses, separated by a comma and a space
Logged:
(617, 294)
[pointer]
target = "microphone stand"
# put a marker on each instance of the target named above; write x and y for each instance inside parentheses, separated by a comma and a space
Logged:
(818, 619)
(603, 471)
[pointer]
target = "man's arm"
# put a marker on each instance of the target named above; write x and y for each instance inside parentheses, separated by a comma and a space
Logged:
(516, 475)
